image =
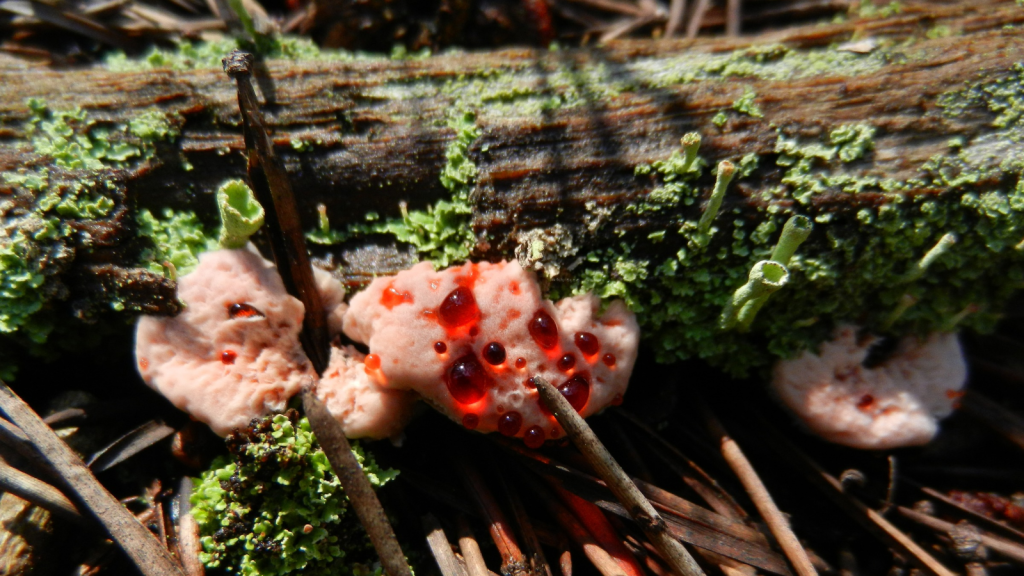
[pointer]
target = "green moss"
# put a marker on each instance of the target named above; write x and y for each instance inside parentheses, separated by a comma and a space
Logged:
(274, 507)
(178, 238)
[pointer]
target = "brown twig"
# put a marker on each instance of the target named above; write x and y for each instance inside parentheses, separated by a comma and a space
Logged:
(598, 556)
(733, 17)
(704, 485)
(535, 554)
(475, 564)
(992, 522)
(30, 488)
(273, 190)
(676, 10)
(128, 445)
(1003, 546)
(188, 531)
(441, 548)
(149, 555)
(870, 519)
(762, 499)
(512, 559)
(697, 18)
(679, 560)
(358, 489)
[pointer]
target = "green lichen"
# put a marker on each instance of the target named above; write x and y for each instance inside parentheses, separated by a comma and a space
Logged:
(745, 104)
(274, 507)
(188, 55)
(862, 266)
(77, 184)
(178, 238)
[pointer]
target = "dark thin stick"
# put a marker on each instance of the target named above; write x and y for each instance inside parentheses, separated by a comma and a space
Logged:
(358, 489)
(149, 555)
(128, 445)
(470, 549)
(30, 488)
(270, 183)
(441, 548)
(762, 499)
(678, 559)
(1003, 546)
(512, 559)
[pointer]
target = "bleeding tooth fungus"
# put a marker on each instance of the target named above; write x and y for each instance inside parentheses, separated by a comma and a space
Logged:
(444, 336)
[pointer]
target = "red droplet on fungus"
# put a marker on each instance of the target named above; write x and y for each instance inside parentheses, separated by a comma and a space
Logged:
(440, 347)
(866, 402)
(494, 353)
(143, 363)
(520, 363)
(587, 343)
(392, 297)
(609, 360)
(617, 400)
(544, 330)
(467, 380)
(509, 423)
(243, 310)
(533, 437)
(577, 391)
(228, 357)
(470, 421)
(458, 308)
(372, 362)
(474, 331)
(565, 363)
(531, 384)
(513, 287)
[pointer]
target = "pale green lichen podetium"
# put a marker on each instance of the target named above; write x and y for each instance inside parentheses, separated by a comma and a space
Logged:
(765, 278)
(940, 248)
(797, 229)
(691, 145)
(726, 170)
(240, 214)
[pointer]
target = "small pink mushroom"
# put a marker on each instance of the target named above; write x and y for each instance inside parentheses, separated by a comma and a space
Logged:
(897, 403)
(469, 339)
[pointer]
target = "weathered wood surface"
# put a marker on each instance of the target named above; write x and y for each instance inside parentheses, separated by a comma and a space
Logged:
(376, 129)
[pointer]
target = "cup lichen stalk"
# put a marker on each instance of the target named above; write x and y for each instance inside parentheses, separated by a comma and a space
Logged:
(691, 144)
(726, 170)
(765, 278)
(905, 303)
(241, 215)
(794, 232)
(941, 247)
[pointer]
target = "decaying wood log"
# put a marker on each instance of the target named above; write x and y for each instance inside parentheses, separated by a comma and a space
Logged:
(565, 148)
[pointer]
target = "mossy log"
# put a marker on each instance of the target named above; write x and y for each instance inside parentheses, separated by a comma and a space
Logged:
(880, 130)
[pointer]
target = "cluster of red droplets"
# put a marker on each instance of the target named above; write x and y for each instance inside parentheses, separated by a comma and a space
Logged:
(468, 380)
